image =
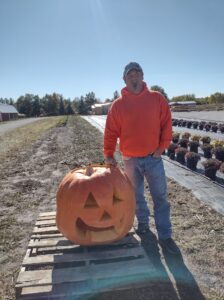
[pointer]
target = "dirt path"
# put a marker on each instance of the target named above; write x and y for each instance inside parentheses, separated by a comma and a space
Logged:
(29, 181)
(10, 125)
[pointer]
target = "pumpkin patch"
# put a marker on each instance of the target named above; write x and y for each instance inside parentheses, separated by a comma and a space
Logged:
(95, 205)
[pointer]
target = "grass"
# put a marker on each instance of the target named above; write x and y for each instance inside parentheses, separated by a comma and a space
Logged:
(14, 140)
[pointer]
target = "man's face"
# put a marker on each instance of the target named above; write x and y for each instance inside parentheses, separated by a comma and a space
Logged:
(134, 81)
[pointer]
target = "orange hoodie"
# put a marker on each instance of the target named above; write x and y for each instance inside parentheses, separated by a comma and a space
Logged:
(142, 122)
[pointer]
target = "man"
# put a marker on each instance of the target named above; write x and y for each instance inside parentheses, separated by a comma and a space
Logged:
(141, 119)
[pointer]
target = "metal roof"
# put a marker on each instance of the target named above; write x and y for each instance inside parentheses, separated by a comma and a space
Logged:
(6, 108)
(182, 102)
(101, 104)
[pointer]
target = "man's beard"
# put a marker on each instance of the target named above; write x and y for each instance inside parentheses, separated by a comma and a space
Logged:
(134, 85)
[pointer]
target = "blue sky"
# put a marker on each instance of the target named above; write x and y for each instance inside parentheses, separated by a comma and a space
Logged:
(73, 47)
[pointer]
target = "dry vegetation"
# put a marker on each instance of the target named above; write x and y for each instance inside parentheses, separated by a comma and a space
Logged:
(201, 107)
(23, 136)
(30, 174)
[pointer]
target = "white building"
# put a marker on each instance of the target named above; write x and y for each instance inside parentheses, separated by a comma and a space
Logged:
(101, 108)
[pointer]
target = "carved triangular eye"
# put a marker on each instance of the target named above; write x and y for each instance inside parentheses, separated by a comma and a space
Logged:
(116, 200)
(91, 202)
(105, 216)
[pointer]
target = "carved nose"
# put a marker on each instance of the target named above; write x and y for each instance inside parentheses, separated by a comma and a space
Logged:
(105, 216)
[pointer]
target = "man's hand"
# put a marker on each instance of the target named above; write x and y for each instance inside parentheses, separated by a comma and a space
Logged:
(110, 161)
(158, 153)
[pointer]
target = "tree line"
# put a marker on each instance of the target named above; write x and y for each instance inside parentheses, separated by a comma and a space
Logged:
(55, 104)
(52, 104)
(215, 98)
(212, 99)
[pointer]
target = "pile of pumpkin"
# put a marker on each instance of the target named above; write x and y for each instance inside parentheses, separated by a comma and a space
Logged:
(184, 149)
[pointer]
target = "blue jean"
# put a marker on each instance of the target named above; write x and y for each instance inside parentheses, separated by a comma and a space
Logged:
(153, 170)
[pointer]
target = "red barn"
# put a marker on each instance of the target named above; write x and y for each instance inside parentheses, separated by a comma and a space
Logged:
(7, 112)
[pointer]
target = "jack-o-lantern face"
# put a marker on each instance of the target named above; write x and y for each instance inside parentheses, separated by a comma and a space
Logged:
(95, 205)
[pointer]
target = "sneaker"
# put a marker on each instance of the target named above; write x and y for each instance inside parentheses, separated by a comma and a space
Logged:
(142, 228)
(169, 245)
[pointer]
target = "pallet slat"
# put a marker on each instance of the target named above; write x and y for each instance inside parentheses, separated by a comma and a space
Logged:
(58, 276)
(45, 218)
(63, 242)
(49, 229)
(48, 222)
(46, 236)
(74, 289)
(47, 214)
(77, 257)
(55, 268)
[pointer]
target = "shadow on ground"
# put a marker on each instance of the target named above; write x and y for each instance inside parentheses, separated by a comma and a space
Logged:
(172, 280)
(180, 276)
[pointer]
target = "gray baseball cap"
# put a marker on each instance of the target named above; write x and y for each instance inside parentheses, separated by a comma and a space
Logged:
(132, 66)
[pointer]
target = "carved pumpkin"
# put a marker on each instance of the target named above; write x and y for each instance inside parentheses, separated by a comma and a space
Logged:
(95, 205)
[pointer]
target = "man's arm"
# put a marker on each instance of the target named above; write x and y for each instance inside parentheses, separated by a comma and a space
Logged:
(158, 152)
(165, 126)
(111, 134)
(110, 161)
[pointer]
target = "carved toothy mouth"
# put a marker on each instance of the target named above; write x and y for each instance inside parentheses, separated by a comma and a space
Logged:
(82, 225)
(97, 234)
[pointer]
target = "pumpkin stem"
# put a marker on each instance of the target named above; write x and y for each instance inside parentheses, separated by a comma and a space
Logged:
(89, 171)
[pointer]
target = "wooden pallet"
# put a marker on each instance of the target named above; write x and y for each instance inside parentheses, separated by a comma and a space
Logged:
(55, 268)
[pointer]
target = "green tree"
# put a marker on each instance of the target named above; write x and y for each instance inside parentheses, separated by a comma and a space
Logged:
(36, 106)
(90, 99)
(82, 108)
(43, 106)
(187, 97)
(61, 107)
(52, 104)
(9, 101)
(24, 104)
(202, 100)
(216, 98)
(75, 104)
(159, 89)
(68, 107)
(116, 95)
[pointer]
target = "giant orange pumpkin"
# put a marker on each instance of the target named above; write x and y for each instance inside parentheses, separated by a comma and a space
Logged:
(95, 205)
